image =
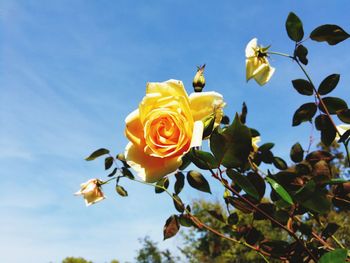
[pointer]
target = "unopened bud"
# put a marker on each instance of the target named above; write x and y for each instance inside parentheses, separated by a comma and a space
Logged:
(199, 80)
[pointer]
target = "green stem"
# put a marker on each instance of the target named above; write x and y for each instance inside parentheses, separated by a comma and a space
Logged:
(280, 54)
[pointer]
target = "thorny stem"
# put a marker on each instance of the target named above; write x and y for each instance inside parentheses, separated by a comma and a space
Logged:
(290, 232)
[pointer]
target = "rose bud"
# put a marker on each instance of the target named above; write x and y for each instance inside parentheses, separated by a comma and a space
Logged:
(91, 191)
(198, 82)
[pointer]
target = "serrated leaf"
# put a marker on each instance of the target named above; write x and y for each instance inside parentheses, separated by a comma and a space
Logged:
(97, 153)
(164, 182)
(198, 181)
(344, 115)
(332, 34)
(203, 160)
(171, 227)
(243, 182)
(108, 162)
(304, 113)
(279, 163)
(335, 256)
(297, 153)
(180, 182)
(231, 146)
(301, 53)
(333, 105)
(179, 205)
(121, 191)
(303, 86)
(280, 190)
(294, 27)
(328, 84)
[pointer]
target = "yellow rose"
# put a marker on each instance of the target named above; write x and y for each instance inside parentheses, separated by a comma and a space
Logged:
(91, 191)
(166, 125)
(257, 65)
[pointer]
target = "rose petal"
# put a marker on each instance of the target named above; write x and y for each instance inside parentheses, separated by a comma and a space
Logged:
(170, 87)
(264, 74)
(150, 169)
(203, 104)
(197, 135)
(134, 129)
(250, 48)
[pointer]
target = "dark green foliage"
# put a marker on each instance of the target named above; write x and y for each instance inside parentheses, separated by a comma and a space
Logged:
(294, 27)
(332, 34)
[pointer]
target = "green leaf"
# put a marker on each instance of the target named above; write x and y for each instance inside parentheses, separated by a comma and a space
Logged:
(179, 205)
(108, 162)
(333, 105)
(113, 172)
(198, 181)
(330, 229)
(328, 132)
(203, 160)
(328, 84)
(344, 115)
(180, 182)
(208, 125)
(305, 192)
(301, 53)
(225, 120)
(185, 162)
(126, 172)
(97, 153)
(317, 202)
(254, 132)
(297, 153)
(243, 182)
(185, 220)
(332, 34)
(344, 136)
(266, 147)
(164, 182)
(171, 227)
(304, 113)
(232, 219)
(336, 256)
(121, 191)
(280, 190)
(303, 86)
(232, 146)
(294, 27)
(279, 163)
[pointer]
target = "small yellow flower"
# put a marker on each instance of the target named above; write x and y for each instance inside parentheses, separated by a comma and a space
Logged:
(91, 191)
(257, 65)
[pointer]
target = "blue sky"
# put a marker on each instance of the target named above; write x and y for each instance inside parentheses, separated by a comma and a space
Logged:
(71, 71)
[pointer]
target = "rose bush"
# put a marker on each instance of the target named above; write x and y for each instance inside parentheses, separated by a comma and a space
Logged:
(166, 125)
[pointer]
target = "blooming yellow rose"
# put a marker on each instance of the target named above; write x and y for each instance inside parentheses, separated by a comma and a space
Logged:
(257, 65)
(166, 125)
(91, 191)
